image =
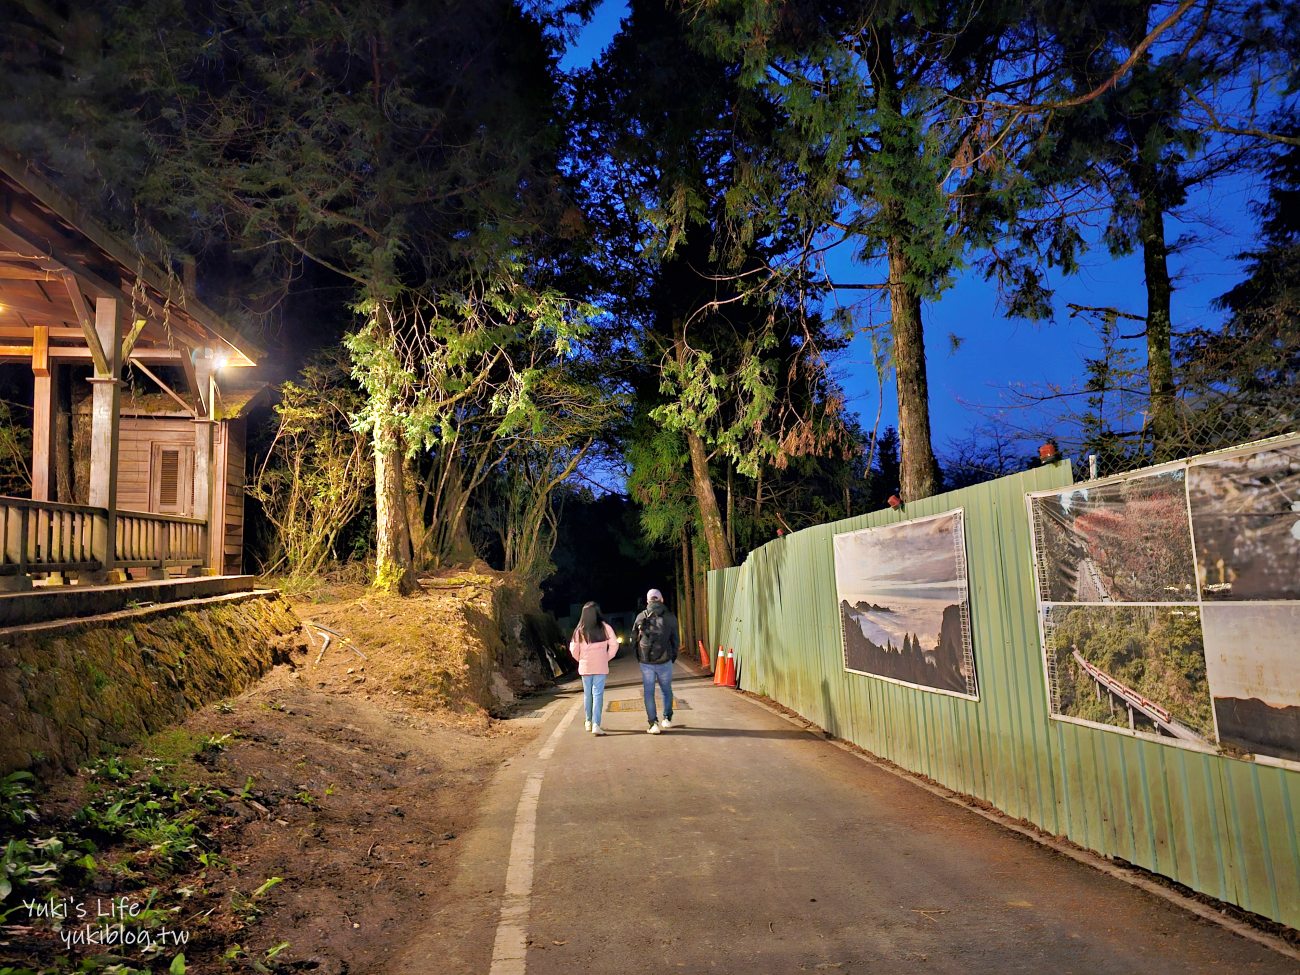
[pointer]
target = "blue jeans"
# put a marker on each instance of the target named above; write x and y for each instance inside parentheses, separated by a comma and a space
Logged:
(661, 674)
(593, 696)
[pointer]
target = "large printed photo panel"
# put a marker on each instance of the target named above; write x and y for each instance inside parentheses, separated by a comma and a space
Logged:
(1123, 541)
(904, 604)
(1246, 519)
(1252, 651)
(1169, 601)
(1136, 667)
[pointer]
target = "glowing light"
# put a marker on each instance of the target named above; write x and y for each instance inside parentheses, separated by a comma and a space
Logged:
(219, 361)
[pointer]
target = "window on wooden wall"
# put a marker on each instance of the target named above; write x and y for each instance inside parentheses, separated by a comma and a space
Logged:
(171, 479)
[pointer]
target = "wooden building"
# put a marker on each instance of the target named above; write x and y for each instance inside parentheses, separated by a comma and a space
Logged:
(138, 406)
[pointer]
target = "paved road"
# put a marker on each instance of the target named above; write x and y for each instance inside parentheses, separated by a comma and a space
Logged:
(738, 843)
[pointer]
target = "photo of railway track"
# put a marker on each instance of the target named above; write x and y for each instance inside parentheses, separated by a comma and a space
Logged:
(1125, 541)
(1137, 667)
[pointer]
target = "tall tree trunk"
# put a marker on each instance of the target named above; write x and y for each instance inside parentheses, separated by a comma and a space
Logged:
(393, 556)
(417, 524)
(686, 609)
(453, 545)
(63, 475)
(731, 509)
(710, 517)
(916, 455)
(1155, 262)
(901, 141)
(700, 602)
(679, 588)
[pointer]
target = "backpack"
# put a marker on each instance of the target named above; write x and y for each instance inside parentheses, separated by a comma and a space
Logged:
(652, 644)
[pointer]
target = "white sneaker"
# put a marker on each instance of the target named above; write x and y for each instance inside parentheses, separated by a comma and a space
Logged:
(666, 723)
(597, 730)
(587, 726)
(653, 729)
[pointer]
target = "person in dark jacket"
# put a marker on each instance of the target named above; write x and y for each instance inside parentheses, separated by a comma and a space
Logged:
(654, 636)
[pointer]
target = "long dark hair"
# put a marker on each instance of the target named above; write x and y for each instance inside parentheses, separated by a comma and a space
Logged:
(591, 625)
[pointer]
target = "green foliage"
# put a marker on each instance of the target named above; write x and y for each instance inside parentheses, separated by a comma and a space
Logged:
(729, 351)
(317, 475)
(15, 454)
(414, 162)
(881, 125)
(153, 812)
(17, 798)
(425, 361)
(659, 479)
(1243, 381)
(267, 885)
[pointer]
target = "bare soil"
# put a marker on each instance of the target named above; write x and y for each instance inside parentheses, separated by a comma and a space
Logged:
(350, 779)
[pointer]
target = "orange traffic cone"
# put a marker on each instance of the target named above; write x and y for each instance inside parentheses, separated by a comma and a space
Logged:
(729, 671)
(720, 666)
(704, 655)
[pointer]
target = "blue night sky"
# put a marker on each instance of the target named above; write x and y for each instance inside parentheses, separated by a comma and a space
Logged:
(975, 383)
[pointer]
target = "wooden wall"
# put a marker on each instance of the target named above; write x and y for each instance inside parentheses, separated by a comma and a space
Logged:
(138, 438)
(231, 456)
(135, 450)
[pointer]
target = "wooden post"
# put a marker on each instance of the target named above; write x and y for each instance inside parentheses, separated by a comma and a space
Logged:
(105, 415)
(220, 476)
(204, 424)
(44, 408)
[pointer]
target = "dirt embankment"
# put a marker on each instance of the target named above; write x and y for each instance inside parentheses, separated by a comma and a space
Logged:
(467, 645)
(305, 825)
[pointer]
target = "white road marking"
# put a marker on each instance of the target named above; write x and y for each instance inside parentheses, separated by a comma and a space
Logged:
(510, 950)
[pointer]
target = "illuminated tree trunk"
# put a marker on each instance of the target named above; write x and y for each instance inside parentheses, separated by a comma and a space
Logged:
(710, 515)
(393, 555)
(686, 609)
(918, 469)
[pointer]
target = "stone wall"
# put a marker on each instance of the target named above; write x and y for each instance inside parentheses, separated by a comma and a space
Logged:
(73, 689)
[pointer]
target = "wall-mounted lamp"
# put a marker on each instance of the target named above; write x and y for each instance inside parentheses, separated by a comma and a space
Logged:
(895, 501)
(219, 361)
(1048, 453)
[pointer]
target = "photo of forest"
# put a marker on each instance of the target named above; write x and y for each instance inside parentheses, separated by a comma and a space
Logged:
(903, 603)
(1252, 653)
(1109, 661)
(1246, 520)
(1125, 541)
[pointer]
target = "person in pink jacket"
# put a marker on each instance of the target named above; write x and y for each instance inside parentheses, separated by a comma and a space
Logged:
(593, 645)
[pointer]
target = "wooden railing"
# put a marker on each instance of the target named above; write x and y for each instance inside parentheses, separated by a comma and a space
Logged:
(160, 541)
(39, 537)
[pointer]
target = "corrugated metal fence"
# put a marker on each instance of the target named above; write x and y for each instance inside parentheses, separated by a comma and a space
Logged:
(1219, 825)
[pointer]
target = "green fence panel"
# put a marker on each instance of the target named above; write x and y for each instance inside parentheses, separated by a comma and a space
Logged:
(1220, 825)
